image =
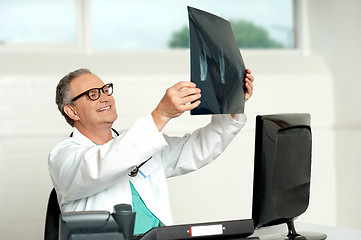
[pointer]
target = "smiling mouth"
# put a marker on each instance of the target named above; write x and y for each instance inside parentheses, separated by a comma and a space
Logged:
(103, 109)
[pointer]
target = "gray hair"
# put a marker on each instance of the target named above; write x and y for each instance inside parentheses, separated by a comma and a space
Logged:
(63, 95)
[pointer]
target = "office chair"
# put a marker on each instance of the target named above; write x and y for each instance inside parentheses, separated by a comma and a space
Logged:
(52, 217)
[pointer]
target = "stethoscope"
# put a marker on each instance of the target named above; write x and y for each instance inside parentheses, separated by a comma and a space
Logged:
(135, 171)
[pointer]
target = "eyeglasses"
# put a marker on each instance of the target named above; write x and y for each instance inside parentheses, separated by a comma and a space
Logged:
(94, 93)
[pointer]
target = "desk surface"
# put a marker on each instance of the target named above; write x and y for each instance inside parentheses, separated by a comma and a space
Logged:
(333, 233)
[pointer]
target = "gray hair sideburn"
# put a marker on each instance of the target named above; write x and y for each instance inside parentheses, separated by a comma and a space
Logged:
(63, 95)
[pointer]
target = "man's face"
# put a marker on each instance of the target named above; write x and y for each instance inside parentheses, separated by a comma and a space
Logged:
(92, 114)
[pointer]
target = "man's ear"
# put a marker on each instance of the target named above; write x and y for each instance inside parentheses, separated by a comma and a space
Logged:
(71, 112)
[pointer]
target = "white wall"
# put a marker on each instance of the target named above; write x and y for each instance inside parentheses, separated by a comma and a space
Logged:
(323, 84)
(336, 37)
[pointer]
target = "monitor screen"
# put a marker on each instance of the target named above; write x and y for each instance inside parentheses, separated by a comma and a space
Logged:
(282, 170)
(217, 67)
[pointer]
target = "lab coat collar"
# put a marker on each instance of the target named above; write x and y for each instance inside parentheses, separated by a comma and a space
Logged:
(79, 137)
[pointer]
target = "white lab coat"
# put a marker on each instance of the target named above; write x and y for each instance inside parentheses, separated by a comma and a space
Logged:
(90, 177)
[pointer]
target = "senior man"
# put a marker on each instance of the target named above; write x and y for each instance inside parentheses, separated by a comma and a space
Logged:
(97, 167)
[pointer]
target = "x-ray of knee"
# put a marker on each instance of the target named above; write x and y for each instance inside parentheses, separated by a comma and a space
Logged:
(217, 67)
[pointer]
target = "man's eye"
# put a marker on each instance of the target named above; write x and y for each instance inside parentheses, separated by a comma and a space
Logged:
(93, 94)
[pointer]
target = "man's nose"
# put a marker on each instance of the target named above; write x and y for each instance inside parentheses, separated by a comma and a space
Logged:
(103, 96)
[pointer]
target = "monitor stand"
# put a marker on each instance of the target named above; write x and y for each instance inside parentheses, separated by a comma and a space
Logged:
(293, 235)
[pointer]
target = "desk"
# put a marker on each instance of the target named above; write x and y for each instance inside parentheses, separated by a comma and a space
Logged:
(333, 233)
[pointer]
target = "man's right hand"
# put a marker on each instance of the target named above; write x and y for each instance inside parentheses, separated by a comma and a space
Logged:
(181, 97)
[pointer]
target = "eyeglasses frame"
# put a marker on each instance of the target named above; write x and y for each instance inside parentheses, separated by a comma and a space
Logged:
(99, 89)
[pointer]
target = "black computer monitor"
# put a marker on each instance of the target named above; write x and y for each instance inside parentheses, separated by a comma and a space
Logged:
(282, 172)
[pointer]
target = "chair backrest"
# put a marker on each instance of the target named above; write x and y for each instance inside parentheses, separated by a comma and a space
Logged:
(52, 217)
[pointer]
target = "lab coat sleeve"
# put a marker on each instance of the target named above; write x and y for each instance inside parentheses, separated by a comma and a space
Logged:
(193, 151)
(80, 169)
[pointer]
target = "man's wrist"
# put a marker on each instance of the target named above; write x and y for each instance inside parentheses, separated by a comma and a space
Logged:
(159, 119)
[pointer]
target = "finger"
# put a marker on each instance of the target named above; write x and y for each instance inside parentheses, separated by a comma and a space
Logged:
(188, 92)
(191, 106)
(249, 91)
(250, 77)
(190, 98)
(249, 84)
(249, 88)
(183, 84)
(249, 81)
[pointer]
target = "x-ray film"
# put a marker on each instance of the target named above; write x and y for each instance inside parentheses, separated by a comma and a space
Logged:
(217, 67)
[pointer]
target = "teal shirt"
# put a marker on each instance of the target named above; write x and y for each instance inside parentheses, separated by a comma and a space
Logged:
(144, 219)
